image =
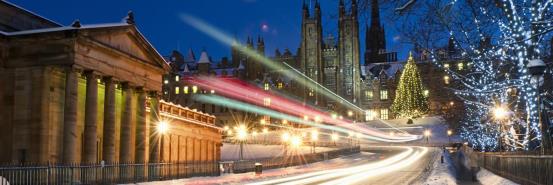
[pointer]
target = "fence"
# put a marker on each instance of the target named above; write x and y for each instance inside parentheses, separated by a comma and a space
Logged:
(103, 174)
(523, 169)
(291, 160)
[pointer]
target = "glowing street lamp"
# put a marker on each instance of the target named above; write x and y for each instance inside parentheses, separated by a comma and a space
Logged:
(449, 133)
(334, 116)
(334, 138)
(162, 128)
(295, 141)
(314, 138)
(500, 113)
(350, 113)
(427, 135)
(241, 135)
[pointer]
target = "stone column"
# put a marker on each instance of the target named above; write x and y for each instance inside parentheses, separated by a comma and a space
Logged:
(126, 126)
(91, 118)
(140, 150)
(108, 153)
(154, 136)
(70, 117)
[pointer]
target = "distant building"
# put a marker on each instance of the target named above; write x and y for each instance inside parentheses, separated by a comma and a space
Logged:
(333, 62)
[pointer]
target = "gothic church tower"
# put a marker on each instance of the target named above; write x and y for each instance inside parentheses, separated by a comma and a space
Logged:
(349, 76)
(311, 52)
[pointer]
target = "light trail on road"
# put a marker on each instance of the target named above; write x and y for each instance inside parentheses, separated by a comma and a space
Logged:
(353, 175)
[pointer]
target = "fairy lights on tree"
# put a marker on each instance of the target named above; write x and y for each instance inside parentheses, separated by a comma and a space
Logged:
(410, 101)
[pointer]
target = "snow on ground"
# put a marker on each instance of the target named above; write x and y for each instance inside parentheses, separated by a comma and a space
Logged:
(267, 174)
(442, 173)
(488, 178)
(231, 152)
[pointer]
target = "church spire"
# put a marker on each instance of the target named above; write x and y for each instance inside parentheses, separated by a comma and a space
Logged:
(375, 14)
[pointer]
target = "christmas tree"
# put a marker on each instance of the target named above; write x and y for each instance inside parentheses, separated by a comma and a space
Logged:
(410, 101)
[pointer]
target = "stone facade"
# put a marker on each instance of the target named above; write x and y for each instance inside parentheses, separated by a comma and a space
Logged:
(79, 93)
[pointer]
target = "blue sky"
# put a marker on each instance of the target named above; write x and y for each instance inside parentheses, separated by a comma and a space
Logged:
(159, 21)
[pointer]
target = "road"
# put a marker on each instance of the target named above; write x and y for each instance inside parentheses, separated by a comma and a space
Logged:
(395, 165)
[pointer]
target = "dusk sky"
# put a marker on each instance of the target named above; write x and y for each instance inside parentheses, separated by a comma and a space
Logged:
(159, 21)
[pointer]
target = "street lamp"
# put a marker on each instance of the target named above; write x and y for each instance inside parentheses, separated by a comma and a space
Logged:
(427, 135)
(335, 138)
(314, 138)
(449, 133)
(500, 113)
(536, 68)
(162, 128)
(241, 135)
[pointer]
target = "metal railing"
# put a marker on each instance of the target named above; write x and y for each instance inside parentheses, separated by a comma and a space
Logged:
(519, 167)
(290, 160)
(103, 174)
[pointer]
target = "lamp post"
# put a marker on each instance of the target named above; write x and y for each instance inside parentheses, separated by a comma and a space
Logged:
(285, 138)
(334, 138)
(500, 113)
(449, 133)
(241, 135)
(162, 128)
(536, 68)
(427, 136)
(314, 138)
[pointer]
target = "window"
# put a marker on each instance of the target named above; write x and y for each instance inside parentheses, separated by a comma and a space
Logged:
(280, 85)
(166, 81)
(460, 66)
(446, 79)
(177, 77)
(311, 92)
(369, 95)
(177, 90)
(266, 86)
(370, 115)
(426, 93)
(446, 66)
(383, 94)
(383, 113)
(185, 89)
(267, 101)
(194, 89)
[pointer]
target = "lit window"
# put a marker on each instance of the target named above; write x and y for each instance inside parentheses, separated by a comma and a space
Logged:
(166, 81)
(185, 89)
(369, 95)
(383, 94)
(460, 66)
(177, 78)
(165, 92)
(446, 65)
(194, 89)
(311, 92)
(280, 85)
(370, 115)
(266, 86)
(425, 93)
(383, 113)
(267, 101)
(177, 90)
(446, 79)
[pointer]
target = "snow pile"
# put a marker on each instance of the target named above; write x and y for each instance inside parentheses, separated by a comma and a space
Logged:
(231, 152)
(442, 173)
(489, 178)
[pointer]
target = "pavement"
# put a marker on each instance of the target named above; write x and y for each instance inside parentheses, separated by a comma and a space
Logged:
(382, 165)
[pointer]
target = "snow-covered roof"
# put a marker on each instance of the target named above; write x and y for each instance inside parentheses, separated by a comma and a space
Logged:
(64, 28)
(204, 58)
(388, 68)
(30, 12)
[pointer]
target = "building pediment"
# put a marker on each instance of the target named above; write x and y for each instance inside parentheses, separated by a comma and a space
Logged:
(129, 41)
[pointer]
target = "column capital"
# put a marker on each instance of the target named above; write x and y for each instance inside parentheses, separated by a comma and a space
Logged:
(153, 94)
(91, 73)
(126, 85)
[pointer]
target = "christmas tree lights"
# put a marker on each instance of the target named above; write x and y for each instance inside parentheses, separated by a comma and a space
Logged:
(410, 101)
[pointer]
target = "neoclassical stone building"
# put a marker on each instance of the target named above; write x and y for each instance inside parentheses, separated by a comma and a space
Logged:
(89, 93)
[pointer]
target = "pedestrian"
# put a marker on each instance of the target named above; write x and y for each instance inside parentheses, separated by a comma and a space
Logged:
(473, 162)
